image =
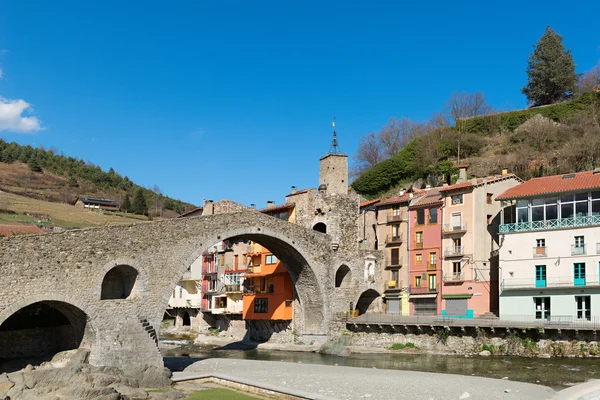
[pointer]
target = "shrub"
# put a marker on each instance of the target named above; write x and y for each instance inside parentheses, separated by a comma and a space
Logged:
(400, 346)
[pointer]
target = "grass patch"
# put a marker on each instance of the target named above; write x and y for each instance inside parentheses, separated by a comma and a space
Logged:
(219, 394)
(401, 346)
(15, 219)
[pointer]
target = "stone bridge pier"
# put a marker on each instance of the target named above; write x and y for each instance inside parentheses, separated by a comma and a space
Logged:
(111, 285)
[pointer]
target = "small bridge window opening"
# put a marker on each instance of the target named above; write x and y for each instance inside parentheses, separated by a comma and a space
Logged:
(119, 283)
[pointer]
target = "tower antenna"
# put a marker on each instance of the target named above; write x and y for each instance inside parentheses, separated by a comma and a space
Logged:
(335, 148)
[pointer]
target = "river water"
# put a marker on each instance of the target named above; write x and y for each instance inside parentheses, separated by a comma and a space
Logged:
(557, 373)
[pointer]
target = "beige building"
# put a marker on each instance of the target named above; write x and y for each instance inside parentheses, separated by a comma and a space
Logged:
(470, 243)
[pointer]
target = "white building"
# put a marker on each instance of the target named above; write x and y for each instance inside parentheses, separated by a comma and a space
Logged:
(550, 249)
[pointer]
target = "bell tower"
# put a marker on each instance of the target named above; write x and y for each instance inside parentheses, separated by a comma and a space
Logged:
(333, 171)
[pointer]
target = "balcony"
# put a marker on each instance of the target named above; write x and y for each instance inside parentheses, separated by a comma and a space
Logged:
(424, 289)
(209, 271)
(233, 288)
(418, 245)
(254, 269)
(392, 285)
(391, 217)
(540, 251)
(451, 229)
(393, 240)
(578, 250)
(558, 282)
(432, 265)
(393, 263)
(551, 224)
(454, 251)
(459, 277)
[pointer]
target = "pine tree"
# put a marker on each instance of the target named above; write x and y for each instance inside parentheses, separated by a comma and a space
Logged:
(550, 70)
(139, 205)
(34, 164)
(126, 206)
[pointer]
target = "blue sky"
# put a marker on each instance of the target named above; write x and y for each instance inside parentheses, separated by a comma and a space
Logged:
(224, 99)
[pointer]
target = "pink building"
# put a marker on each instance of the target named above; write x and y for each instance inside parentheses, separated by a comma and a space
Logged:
(425, 249)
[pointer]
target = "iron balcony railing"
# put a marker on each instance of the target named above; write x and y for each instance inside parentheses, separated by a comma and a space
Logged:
(391, 217)
(418, 245)
(392, 285)
(454, 277)
(423, 289)
(394, 239)
(540, 251)
(505, 321)
(431, 265)
(233, 288)
(575, 222)
(578, 249)
(452, 228)
(454, 251)
(551, 282)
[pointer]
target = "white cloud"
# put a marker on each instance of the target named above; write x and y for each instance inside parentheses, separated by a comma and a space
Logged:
(12, 118)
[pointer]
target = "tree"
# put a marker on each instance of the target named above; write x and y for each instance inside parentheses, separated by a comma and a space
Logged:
(126, 206)
(550, 70)
(34, 164)
(589, 81)
(463, 105)
(139, 205)
(368, 154)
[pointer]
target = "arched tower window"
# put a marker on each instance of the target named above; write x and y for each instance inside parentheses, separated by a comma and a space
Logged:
(320, 227)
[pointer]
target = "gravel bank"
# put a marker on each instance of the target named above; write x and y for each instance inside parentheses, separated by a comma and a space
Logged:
(376, 384)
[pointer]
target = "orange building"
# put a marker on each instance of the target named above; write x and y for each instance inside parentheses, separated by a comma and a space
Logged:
(268, 287)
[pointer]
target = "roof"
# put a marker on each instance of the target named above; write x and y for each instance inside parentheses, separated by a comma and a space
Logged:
(478, 182)
(460, 166)
(194, 211)
(11, 230)
(553, 185)
(428, 198)
(101, 202)
(400, 198)
(300, 192)
(282, 207)
(368, 203)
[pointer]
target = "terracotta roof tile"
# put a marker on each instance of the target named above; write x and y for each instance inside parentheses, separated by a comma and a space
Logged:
(368, 203)
(429, 197)
(286, 206)
(479, 181)
(553, 185)
(11, 230)
(400, 199)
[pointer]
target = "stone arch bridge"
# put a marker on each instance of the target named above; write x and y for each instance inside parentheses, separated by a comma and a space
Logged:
(66, 271)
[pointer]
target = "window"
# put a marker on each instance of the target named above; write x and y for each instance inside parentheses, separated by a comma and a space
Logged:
(417, 281)
(457, 199)
(396, 211)
(489, 197)
(236, 261)
(180, 292)
(419, 258)
(432, 259)
(270, 259)
(579, 274)
(419, 239)
(579, 241)
(433, 216)
(261, 306)
(457, 245)
(456, 269)
(584, 307)
(395, 256)
(420, 217)
(540, 242)
(542, 307)
(396, 230)
(540, 276)
(456, 222)
(394, 275)
(432, 282)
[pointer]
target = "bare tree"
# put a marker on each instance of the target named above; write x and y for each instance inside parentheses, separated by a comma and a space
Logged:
(462, 106)
(589, 80)
(368, 154)
(396, 134)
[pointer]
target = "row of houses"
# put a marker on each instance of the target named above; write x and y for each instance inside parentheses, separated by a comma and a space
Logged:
(493, 245)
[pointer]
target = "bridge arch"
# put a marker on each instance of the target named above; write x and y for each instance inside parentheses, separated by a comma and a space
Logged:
(343, 275)
(302, 264)
(367, 301)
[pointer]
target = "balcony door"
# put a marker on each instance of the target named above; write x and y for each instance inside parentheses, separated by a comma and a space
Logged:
(456, 221)
(579, 274)
(540, 276)
(432, 283)
(395, 253)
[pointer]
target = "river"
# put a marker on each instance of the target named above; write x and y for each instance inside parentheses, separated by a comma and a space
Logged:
(557, 373)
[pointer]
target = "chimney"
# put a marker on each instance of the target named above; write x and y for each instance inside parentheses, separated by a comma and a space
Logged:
(401, 193)
(474, 181)
(270, 204)
(445, 184)
(462, 174)
(209, 208)
(253, 205)
(504, 172)
(410, 195)
(293, 189)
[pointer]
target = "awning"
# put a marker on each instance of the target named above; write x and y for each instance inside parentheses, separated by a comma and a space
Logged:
(424, 296)
(457, 296)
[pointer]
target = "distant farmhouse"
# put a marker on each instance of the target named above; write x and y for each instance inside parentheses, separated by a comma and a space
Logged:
(98, 204)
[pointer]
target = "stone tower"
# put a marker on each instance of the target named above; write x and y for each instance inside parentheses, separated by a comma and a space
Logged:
(333, 170)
